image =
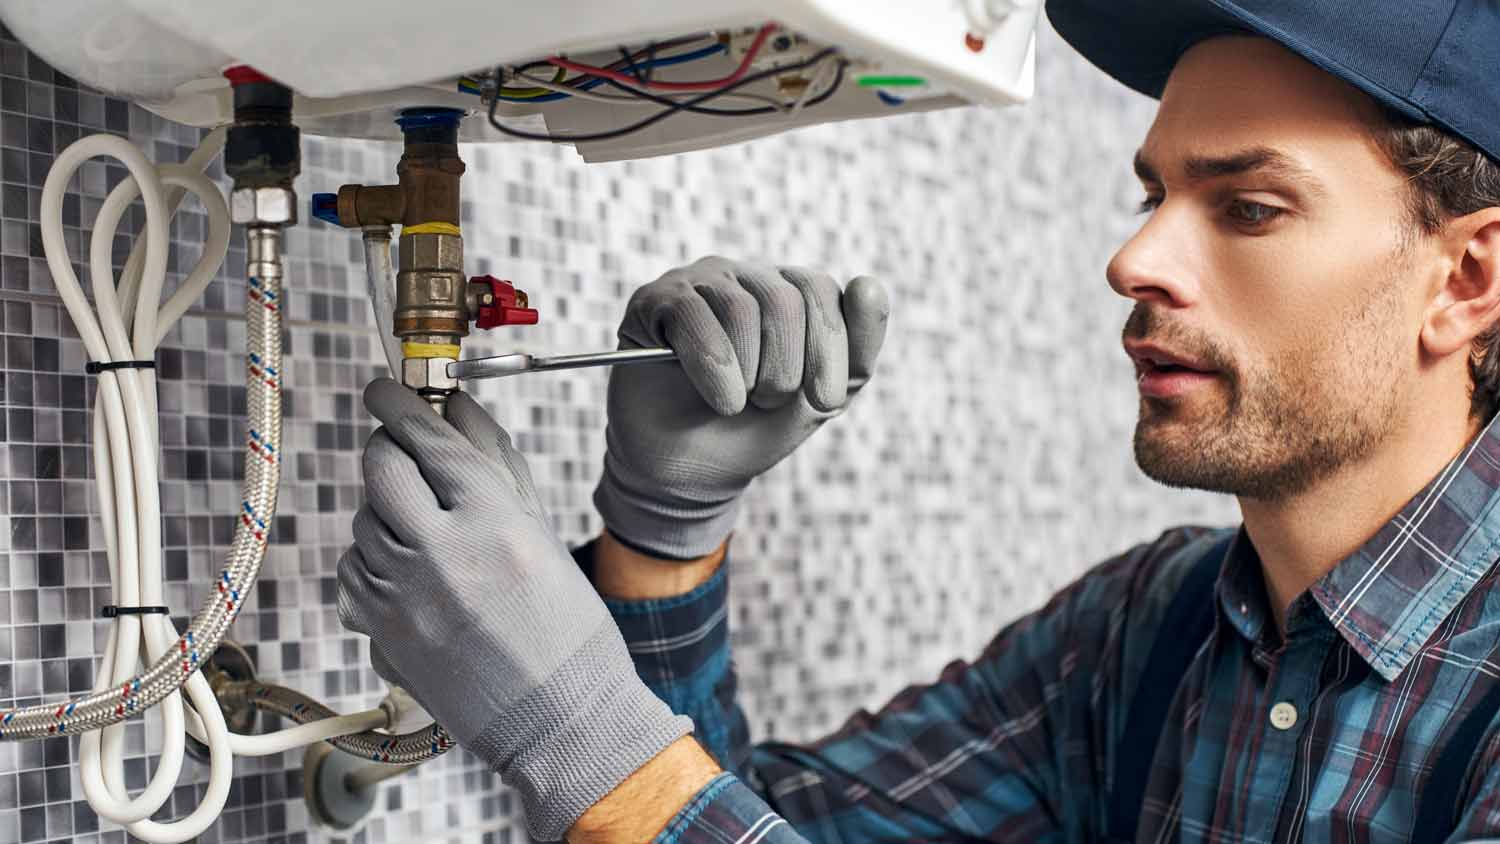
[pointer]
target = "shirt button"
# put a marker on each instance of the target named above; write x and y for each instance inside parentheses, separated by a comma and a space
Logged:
(1283, 716)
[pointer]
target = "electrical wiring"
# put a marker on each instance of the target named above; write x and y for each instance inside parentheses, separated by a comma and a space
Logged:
(635, 98)
(706, 85)
(586, 82)
(533, 93)
(676, 107)
(812, 85)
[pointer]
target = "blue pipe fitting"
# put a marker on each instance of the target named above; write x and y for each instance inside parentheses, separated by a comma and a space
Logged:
(325, 207)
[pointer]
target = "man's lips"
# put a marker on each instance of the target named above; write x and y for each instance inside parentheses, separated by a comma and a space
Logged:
(1164, 373)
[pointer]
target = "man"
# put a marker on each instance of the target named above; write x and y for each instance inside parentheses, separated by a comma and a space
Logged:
(1316, 288)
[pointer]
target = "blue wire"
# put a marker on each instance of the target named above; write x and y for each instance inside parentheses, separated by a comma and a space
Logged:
(590, 85)
(890, 99)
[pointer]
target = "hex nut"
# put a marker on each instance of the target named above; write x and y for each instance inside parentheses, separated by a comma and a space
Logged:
(427, 373)
(263, 205)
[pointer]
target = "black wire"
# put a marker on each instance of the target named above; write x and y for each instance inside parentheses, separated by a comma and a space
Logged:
(650, 57)
(628, 61)
(631, 66)
(838, 81)
(686, 105)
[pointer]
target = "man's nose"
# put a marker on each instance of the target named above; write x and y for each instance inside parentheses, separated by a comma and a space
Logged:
(1157, 264)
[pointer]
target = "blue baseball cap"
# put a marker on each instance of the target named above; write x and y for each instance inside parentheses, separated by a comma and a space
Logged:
(1434, 61)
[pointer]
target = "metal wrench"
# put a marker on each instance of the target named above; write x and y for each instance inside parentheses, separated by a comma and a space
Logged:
(501, 366)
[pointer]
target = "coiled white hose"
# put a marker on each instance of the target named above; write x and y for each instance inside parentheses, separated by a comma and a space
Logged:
(130, 323)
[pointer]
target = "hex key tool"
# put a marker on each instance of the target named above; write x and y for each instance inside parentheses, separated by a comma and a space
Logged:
(501, 366)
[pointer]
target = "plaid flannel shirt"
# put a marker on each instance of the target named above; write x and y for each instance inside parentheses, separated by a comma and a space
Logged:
(1329, 735)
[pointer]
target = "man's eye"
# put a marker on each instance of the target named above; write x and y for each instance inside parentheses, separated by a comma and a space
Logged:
(1253, 213)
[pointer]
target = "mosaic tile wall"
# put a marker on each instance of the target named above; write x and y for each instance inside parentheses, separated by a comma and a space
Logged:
(986, 465)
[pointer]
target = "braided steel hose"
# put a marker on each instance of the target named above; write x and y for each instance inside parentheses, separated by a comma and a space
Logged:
(405, 749)
(248, 549)
(247, 552)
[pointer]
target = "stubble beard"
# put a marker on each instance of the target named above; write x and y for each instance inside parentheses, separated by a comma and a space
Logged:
(1275, 431)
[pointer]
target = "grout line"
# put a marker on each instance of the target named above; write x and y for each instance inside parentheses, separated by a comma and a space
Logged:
(230, 316)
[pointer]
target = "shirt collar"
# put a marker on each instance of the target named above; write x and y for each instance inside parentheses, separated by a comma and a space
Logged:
(1388, 597)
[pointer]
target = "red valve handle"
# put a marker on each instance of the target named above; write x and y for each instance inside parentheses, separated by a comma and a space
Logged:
(505, 306)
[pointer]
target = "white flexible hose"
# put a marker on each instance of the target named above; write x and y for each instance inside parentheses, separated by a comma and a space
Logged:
(126, 468)
(131, 321)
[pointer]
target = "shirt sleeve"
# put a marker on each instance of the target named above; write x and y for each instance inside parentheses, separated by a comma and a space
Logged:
(1011, 746)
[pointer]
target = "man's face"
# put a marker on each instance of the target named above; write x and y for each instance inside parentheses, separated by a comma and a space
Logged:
(1277, 266)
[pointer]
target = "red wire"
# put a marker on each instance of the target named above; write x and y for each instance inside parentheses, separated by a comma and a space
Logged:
(744, 68)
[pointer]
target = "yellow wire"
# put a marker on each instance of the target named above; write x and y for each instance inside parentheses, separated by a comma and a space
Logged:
(533, 93)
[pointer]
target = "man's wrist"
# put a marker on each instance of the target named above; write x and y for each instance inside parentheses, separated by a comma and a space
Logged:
(623, 573)
(639, 808)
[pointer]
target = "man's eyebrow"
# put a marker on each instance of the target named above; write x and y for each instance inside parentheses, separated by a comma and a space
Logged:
(1255, 159)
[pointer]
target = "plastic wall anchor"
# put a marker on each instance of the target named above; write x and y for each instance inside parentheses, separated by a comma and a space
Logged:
(330, 800)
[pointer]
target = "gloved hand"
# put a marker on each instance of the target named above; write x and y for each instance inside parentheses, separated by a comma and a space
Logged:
(475, 603)
(766, 355)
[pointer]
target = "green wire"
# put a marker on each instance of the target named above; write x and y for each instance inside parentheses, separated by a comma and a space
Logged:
(891, 81)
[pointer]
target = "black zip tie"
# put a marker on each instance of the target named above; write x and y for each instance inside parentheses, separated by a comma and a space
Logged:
(94, 367)
(110, 611)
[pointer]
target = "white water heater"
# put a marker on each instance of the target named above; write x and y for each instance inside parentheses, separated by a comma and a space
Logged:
(355, 64)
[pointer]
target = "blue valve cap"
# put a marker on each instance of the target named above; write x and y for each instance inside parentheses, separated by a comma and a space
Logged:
(325, 206)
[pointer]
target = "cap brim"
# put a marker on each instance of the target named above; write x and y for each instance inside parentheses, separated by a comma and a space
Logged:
(1138, 42)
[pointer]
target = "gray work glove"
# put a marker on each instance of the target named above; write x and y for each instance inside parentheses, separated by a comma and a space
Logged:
(766, 355)
(468, 595)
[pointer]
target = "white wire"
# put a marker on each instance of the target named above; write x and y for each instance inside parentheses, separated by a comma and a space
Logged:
(828, 64)
(131, 321)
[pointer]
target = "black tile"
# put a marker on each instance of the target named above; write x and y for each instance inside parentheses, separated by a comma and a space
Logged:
(169, 364)
(80, 675)
(73, 391)
(75, 533)
(116, 115)
(18, 354)
(39, 135)
(13, 95)
(54, 643)
(58, 789)
(13, 165)
(85, 819)
(49, 569)
(65, 105)
(44, 354)
(48, 462)
(15, 273)
(196, 465)
(33, 824)
(284, 529)
(175, 563)
(13, 202)
(33, 787)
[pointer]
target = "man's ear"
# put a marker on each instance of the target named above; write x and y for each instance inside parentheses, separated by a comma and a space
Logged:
(1468, 301)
